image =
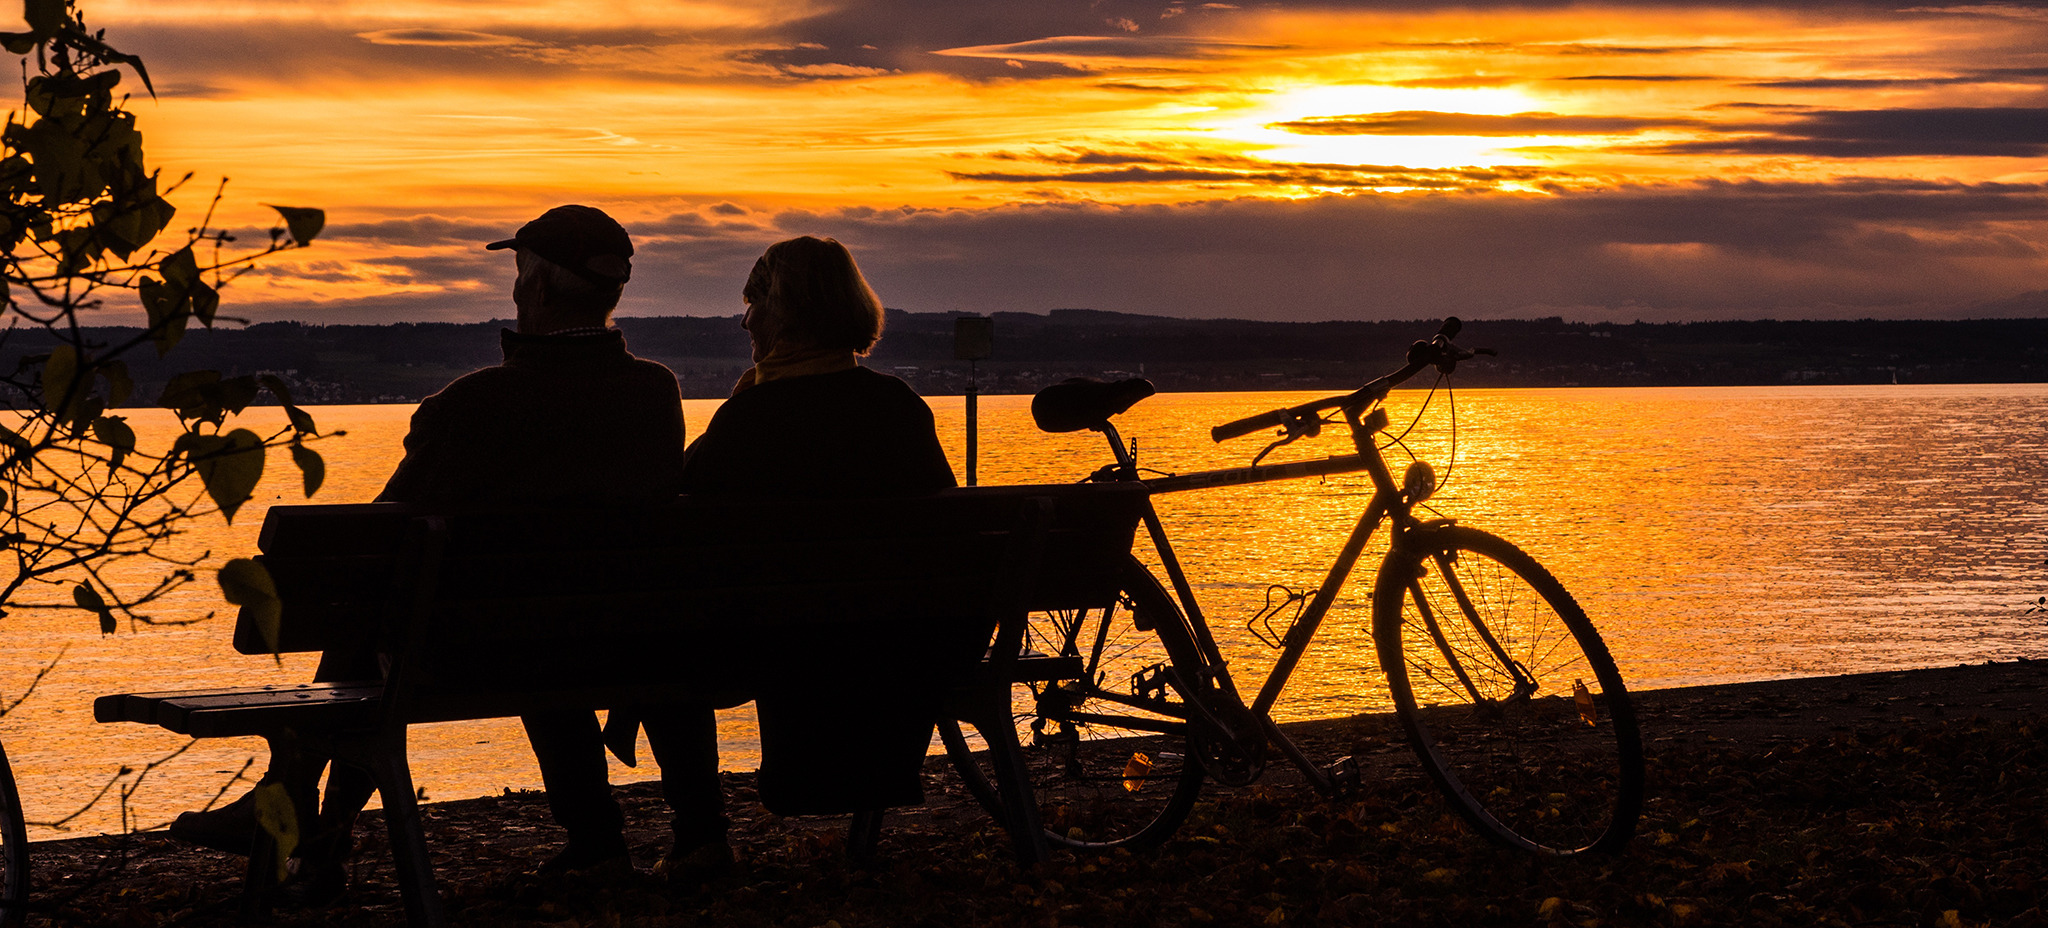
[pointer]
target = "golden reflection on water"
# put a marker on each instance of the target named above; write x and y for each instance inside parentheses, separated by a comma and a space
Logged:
(1712, 534)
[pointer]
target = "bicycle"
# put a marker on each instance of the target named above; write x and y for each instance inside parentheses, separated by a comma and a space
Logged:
(1501, 684)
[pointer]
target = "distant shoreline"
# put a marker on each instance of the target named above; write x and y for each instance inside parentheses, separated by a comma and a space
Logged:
(403, 362)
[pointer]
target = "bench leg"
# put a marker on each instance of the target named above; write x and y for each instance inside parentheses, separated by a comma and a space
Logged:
(259, 881)
(864, 836)
(1013, 784)
(387, 765)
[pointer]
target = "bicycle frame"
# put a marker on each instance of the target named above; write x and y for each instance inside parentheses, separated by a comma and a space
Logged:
(1388, 503)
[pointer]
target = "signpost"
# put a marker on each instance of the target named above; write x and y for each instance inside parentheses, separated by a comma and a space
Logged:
(974, 338)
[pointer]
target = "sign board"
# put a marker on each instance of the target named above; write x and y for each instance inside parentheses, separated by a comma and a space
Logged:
(974, 337)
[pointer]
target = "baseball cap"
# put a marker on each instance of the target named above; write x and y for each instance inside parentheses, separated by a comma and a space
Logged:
(581, 238)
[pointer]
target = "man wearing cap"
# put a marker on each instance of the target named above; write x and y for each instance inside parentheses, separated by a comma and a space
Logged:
(569, 417)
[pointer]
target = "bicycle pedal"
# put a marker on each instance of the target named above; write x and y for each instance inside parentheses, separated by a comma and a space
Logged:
(1344, 774)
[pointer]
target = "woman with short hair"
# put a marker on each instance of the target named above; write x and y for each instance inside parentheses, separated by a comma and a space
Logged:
(805, 421)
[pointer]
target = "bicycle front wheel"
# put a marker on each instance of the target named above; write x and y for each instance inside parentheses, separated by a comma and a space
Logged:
(13, 850)
(1507, 693)
(1105, 743)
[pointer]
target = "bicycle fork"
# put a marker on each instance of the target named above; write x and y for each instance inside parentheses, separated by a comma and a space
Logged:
(1524, 684)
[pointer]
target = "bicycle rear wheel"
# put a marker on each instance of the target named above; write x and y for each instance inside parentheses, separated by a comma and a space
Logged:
(1106, 743)
(1507, 693)
(13, 850)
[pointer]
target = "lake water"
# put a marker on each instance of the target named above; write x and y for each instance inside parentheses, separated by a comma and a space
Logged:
(1714, 535)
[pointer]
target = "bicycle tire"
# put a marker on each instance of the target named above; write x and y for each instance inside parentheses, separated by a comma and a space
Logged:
(1549, 759)
(1101, 777)
(14, 885)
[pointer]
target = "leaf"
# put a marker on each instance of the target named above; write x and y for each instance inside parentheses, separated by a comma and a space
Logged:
(246, 583)
(184, 394)
(60, 394)
(20, 43)
(119, 385)
(303, 222)
(229, 465)
(205, 302)
(301, 422)
(61, 167)
(311, 467)
(234, 394)
(90, 600)
(85, 413)
(113, 431)
(180, 268)
(168, 308)
(277, 387)
(278, 816)
(13, 442)
(45, 17)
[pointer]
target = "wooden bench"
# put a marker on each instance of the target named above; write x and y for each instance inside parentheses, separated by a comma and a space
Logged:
(494, 613)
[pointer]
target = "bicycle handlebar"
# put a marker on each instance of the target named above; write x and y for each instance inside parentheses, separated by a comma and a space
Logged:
(1437, 352)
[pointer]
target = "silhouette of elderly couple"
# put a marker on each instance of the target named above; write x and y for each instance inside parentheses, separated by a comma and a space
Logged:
(571, 417)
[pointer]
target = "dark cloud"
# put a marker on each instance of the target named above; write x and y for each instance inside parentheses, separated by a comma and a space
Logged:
(2010, 74)
(417, 230)
(2017, 132)
(1413, 122)
(1132, 175)
(436, 37)
(1860, 83)
(1137, 87)
(1711, 250)
(1605, 51)
(1212, 170)
(289, 53)
(193, 90)
(1642, 78)
(1979, 76)
(1178, 48)
(1864, 248)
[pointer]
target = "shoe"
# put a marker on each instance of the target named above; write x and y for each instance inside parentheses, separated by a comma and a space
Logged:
(320, 876)
(320, 883)
(695, 865)
(589, 857)
(232, 827)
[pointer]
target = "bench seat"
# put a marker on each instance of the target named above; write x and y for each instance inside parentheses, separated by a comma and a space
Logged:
(498, 612)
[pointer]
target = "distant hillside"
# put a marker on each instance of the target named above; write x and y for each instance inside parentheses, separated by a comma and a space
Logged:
(401, 363)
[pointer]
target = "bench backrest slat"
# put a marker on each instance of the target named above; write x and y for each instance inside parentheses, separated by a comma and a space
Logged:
(696, 589)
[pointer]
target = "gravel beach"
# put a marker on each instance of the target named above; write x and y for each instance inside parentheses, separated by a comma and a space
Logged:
(1810, 801)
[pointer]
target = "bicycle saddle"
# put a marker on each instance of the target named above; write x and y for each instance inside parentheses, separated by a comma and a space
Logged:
(1085, 403)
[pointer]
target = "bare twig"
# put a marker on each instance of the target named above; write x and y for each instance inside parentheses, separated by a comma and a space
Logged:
(32, 684)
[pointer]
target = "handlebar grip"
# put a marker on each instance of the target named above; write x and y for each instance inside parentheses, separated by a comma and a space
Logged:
(1246, 426)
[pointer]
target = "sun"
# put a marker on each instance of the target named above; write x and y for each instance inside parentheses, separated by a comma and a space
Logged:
(1257, 127)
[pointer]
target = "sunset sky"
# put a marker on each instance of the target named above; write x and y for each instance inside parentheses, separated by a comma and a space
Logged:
(1332, 160)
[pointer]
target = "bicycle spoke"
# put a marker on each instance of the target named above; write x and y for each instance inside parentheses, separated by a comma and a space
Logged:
(1484, 655)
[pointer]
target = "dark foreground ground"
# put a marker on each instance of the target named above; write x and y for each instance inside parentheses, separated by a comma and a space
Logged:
(1914, 798)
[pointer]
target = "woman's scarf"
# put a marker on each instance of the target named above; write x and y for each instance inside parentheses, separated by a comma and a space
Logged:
(784, 362)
